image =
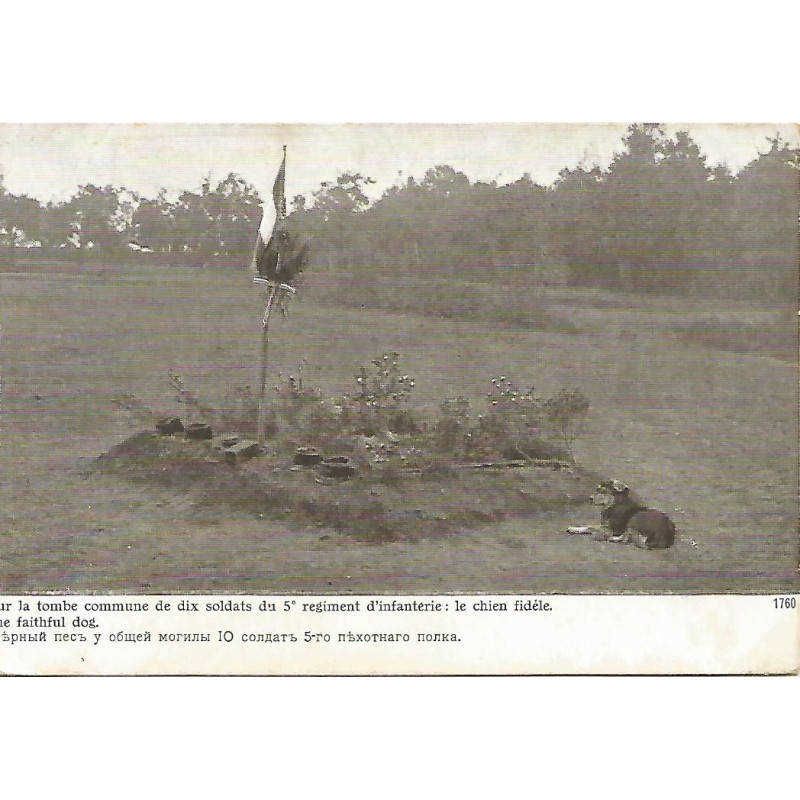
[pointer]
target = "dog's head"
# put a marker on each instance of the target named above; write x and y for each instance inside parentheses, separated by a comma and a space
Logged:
(609, 492)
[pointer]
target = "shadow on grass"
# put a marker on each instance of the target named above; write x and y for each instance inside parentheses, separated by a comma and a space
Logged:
(776, 337)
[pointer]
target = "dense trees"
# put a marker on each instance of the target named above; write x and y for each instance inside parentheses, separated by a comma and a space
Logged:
(658, 218)
(216, 222)
(92, 217)
(18, 213)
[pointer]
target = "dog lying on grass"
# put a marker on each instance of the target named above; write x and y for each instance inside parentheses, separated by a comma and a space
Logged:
(625, 520)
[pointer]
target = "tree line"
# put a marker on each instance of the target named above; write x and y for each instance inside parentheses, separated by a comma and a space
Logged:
(218, 222)
(658, 218)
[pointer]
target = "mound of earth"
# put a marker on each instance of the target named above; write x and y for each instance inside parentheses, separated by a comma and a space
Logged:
(383, 502)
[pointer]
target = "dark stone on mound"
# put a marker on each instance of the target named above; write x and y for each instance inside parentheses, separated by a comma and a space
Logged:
(307, 457)
(198, 430)
(338, 467)
(169, 425)
(241, 451)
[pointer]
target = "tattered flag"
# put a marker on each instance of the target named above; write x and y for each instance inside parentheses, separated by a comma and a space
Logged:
(279, 189)
(266, 256)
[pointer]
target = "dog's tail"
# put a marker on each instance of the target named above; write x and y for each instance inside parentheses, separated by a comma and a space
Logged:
(672, 534)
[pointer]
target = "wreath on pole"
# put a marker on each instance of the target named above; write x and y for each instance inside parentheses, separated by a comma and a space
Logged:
(279, 260)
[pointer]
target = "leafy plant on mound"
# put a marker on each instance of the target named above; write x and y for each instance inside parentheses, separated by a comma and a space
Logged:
(184, 396)
(300, 412)
(516, 424)
(567, 412)
(380, 403)
(239, 412)
(291, 400)
(511, 423)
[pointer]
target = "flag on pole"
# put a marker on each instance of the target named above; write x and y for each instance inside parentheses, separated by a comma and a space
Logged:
(266, 259)
(279, 189)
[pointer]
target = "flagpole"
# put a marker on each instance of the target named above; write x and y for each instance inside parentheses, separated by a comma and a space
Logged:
(275, 290)
(262, 403)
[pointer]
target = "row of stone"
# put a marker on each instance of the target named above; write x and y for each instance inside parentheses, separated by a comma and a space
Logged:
(332, 467)
(233, 447)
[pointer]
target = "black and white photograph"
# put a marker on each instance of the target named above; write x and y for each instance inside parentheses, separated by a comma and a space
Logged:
(422, 340)
(399, 359)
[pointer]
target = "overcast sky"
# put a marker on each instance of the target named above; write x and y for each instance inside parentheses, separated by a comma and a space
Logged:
(50, 161)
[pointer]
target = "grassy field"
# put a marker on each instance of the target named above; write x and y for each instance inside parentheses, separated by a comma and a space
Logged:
(704, 433)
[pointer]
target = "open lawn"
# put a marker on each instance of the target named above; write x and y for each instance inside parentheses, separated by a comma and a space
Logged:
(707, 434)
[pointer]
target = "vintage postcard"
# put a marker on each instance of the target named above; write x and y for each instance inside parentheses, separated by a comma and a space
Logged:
(399, 398)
